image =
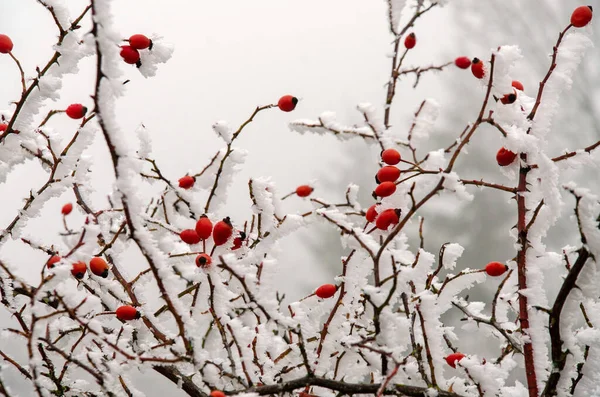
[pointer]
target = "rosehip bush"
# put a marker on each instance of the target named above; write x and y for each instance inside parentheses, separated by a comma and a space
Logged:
(205, 311)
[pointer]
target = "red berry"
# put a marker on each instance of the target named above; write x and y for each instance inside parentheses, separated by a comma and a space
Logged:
(52, 261)
(517, 84)
(326, 291)
(462, 62)
(371, 213)
(130, 55)
(3, 127)
(505, 157)
(509, 98)
(580, 17)
(217, 393)
(386, 219)
(453, 358)
(237, 242)
(6, 44)
(78, 270)
(495, 269)
(67, 208)
(389, 173)
(204, 227)
(125, 313)
(186, 182)
(140, 42)
(385, 189)
(287, 103)
(189, 236)
(203, 260)
(99, 267)
(76, 111)
(410, 41)
(477, 68)
(222, 231)
(304, 191)
(391, 156)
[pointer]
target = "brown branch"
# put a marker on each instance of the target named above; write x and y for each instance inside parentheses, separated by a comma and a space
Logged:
(18, 366)
(538, 99)
(229, 151)
(115, 157)
(491, 121)
(174, 375)
(559, 357)
(20, 71)
(574, 153)
(492, 323)
(397, 63)
(420, 70)
(342, 388)
(427, 349)
(36, 81)
(496, 186)
(337, 305)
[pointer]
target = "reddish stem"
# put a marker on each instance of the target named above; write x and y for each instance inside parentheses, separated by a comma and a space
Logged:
(522, 276)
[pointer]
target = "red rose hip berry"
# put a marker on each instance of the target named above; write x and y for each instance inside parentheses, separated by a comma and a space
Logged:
(391, 156)
(371, 213)
(518, 85)
(389, 173)
(386, 219)
(78, 270)
(204, 227)
(326, 291)
(453, 358)
(99, 267)
(237, 242)
(581, 16)
(385, 189)
(186, 182)
(66, 209)
(505, 157)
(76, 111)
(189, 236)
(53, 261)
(130, 55)
(477, 68)
(304, 191)
(495, 269)
(222, 231)
(217, 393)
(462, 62)
(6, 44)
(287, 103)
(3, 127)
(410, 41)
(509, 98)
(203, 260)
(127, 313)
(140, 42)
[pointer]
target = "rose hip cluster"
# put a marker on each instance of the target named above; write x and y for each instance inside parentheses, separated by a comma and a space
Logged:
(131, 53)
(74, 111)
(580, 17)
(386, 186)
(220, 233)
